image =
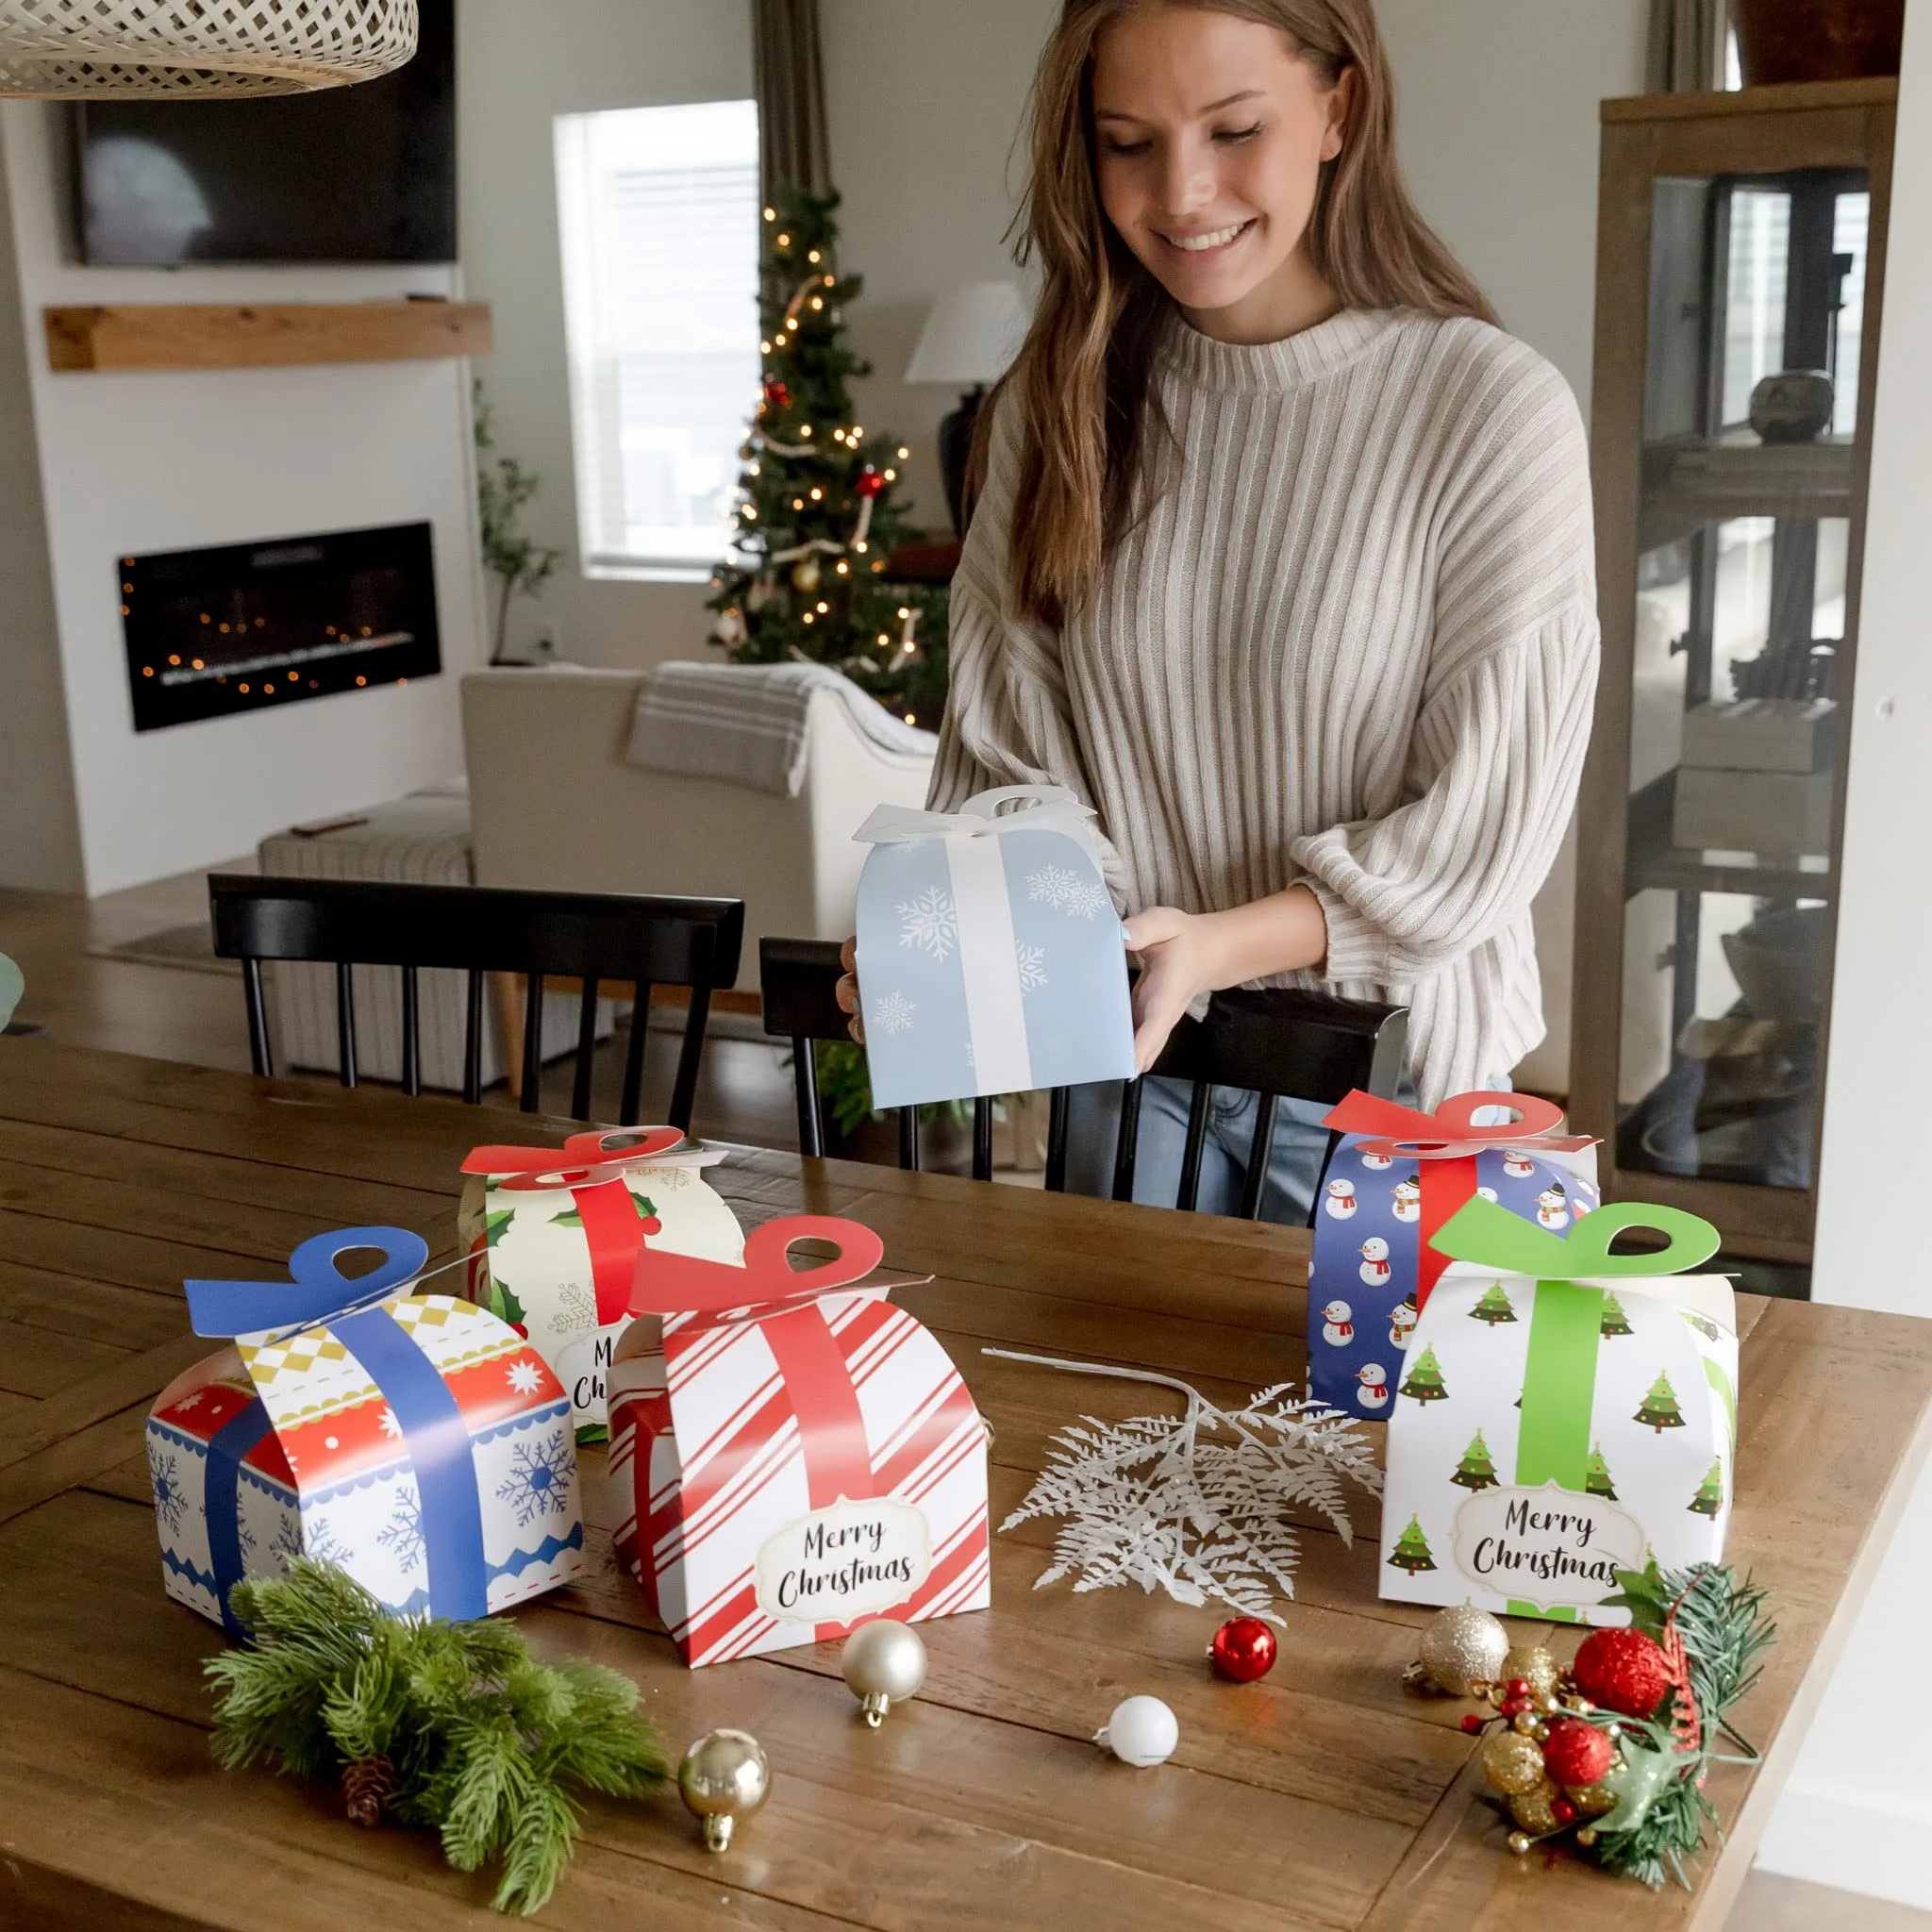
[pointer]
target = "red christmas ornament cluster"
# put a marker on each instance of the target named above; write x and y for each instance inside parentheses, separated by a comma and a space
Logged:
(1622, 1669)
(1576, 1753)
(869, 482)
(1243, 1649)
(776, 396)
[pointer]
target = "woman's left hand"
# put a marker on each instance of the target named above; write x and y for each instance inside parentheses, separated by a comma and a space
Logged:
(1177, 962)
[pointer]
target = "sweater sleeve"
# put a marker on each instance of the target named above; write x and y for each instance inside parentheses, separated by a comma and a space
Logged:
(1006, 718)
(1497, 745)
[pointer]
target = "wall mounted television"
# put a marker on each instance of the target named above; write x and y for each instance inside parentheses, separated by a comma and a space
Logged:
(350, 173)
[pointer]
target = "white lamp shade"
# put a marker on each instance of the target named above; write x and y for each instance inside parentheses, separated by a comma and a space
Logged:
(74, 49)
(970, 335)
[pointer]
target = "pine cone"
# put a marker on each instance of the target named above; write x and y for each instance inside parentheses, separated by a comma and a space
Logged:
(368, 1785)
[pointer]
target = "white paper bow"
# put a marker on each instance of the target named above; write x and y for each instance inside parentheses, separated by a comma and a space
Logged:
(1047, 809)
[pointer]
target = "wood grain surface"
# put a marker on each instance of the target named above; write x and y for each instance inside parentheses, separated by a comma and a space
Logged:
(256, 335)
(1322, 1796)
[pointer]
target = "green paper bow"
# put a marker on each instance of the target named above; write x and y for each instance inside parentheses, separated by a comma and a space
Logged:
(1491, 1237)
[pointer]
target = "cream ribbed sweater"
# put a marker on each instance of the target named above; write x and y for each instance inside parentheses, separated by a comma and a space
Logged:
(1353, 645)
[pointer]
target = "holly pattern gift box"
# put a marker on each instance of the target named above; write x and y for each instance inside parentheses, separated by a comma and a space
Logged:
(1394, 1178)
(793, 1455)
(990, 958)
(1564, 1413)
(556, 1235)
(412, 1439)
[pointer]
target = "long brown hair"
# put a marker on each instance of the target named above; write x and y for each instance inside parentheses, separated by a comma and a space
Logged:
(1082, 381)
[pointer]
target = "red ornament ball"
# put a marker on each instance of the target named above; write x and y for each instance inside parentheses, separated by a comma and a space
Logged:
(1471, 1723)
(1562, 1810)
(778, 395)
(1243, 1649)
(1622, 1669)
(869, 483)
(1576, 1754)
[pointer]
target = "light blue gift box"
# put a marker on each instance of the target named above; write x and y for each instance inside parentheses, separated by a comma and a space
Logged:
(990, 958)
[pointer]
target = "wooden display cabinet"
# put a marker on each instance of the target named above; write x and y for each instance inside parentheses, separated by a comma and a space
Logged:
(1740, 235)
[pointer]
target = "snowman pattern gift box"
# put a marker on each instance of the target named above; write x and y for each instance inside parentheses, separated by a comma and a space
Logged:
(1396, 1176)
(1563, 1413)
(990, 958)
(555, 1234)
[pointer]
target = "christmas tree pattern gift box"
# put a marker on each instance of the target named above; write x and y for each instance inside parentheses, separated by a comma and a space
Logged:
(412, 1439)
(556, 1233)
(1564, 1413)
(1396, 1178)
(990, 958)
(792, 1453)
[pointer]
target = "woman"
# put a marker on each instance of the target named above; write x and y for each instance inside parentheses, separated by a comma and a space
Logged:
(1283, 556)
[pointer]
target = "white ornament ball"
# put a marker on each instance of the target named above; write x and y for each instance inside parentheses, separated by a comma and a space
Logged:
(883, 1664)
(1142, 1731)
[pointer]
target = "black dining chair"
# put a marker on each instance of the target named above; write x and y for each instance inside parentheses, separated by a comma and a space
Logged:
(1276, 1042)
(636, 939)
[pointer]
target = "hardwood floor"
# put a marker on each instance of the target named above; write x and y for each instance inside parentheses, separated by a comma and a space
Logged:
(196, 1017)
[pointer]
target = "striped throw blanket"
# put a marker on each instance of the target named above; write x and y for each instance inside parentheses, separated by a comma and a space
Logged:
(745, 723)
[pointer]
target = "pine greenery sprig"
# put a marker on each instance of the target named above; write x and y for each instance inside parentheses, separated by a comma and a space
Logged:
(454, 1726)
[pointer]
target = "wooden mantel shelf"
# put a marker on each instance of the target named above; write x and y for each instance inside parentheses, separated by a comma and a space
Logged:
(258, 335)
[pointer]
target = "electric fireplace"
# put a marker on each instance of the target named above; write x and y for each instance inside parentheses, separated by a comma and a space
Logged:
(254, 627)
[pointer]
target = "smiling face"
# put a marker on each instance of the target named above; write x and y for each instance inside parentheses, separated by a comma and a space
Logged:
(1210, 136)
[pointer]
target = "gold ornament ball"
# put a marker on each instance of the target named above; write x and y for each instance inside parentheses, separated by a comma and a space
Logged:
(1535, 1666)
(1587, 1837)
(804, 573)
(1531, 1809)
(1462, 1646)
(1512, 1763)
(1594, 1801)
(724, 1777)
(883, 1663)
(1519, 1842)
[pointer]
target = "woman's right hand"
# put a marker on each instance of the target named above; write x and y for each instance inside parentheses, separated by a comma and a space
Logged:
(848, 988)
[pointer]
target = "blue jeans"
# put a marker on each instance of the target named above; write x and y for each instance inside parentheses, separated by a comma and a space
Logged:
(1295, 1160)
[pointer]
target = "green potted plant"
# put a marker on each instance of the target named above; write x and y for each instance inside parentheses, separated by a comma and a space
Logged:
(521, 565)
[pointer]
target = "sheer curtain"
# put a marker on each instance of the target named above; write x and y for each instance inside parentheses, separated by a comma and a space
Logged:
(788, 79)
(1687, 45)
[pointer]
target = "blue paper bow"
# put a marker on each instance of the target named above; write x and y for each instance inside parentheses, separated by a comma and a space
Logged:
(435, 1435)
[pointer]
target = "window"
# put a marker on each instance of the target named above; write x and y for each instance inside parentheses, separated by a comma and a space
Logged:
(658, 209)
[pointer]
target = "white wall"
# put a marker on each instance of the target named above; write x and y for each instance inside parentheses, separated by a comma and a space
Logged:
(518, 66)
(137, 463)
(1498, 104)
(1859, 1802)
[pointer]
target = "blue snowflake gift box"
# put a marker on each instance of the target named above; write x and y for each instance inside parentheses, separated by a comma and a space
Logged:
(990, 958)
(1563, 1413)
(413, 1438)
(1396, 1176)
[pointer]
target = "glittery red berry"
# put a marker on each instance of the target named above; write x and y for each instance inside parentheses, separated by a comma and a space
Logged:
(1576, 1754)
(1562, 1810)
(1622, 1669)
(1471, 1722)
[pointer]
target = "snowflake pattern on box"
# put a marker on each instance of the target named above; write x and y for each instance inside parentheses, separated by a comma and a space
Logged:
(1066, 891)
(930, 923)
(1201, 1503)
(892, 1014)
(540, 1478)
(170, 1502)
(1031, 961)
(404, 1536)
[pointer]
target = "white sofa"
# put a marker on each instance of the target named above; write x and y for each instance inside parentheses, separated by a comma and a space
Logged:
(554, 805)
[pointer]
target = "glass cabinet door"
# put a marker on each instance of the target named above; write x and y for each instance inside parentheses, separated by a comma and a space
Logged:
(1749, 456)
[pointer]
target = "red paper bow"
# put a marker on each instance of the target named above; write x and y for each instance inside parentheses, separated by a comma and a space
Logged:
(593, 1171)
(1405, 1133)
(1450, 1136)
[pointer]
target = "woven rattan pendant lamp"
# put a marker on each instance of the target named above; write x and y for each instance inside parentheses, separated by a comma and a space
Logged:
(82, 49)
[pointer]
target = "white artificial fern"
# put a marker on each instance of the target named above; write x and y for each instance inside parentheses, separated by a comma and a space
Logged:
(1200, 1503)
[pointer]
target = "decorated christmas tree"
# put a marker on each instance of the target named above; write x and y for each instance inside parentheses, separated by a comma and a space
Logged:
(1425, 1379)
(1596, 1474)
(1660, 1408)
(1493, 1307)
(1708, 1329)
(1614, 1322)
(820, 508)
(1476, 1470)
(1710, 1498)
(1412, 1550)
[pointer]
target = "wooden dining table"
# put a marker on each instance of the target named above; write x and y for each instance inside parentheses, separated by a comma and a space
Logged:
(1324, 1795)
